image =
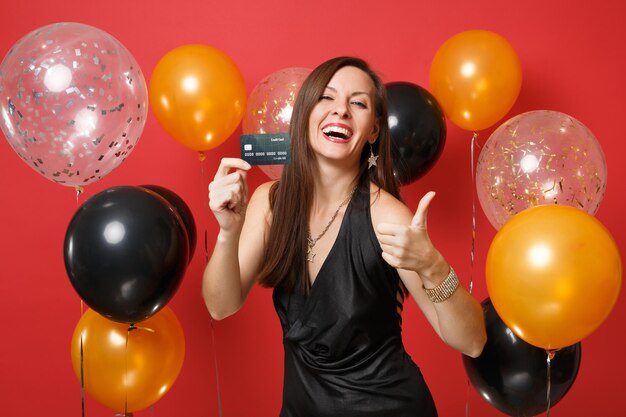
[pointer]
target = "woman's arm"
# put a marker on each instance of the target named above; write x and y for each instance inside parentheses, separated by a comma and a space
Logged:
(406, 246)
(236, 258)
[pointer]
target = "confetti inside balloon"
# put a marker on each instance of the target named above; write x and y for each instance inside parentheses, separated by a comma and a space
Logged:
(270, 105)
(73, 102)
(539, 157)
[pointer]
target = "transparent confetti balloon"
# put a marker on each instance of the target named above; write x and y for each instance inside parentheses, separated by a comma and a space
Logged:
(270, 105)
(539, 157)
(73, 102)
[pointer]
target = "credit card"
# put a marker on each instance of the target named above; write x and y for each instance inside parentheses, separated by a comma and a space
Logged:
(265, 148)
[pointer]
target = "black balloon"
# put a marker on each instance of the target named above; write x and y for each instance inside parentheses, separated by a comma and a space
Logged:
(183, 211)
(418, 130)
(125, 252)
(511, 374)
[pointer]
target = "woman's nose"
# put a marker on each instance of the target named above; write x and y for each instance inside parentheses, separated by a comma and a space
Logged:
(341, 110)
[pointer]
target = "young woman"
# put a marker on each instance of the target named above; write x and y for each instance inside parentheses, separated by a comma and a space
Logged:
(341, 251)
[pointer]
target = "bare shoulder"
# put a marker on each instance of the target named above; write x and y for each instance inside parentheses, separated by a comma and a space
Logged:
(258, 214)
(260, 196)
(385, 208)
(264, 188)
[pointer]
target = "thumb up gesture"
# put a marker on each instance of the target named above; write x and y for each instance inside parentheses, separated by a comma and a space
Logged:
(409, 246)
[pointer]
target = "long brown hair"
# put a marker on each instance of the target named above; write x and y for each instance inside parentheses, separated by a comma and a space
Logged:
(284, 261)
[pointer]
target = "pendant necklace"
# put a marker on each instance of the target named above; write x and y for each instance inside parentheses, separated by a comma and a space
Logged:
(310, 255)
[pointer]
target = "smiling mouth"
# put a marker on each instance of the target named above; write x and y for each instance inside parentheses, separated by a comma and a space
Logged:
(337, 133)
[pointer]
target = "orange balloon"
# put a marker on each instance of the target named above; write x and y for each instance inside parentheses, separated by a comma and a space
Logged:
(476, 77)
(553, 273)
(128, 371)
(198, 95)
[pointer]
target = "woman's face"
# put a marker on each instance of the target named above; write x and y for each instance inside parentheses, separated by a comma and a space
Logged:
(344, 118)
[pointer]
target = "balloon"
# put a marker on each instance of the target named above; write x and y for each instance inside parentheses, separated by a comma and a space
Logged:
(511, 375)
(198, 96)
(553, 274)
(270, 105)
(126, 251)
(418, 130)
(128, 370)
(539, 157)
(74, 102)
(476, 76)
(182, 209)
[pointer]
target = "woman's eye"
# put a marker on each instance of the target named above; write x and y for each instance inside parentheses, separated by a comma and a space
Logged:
(360, 104)
(325, 97)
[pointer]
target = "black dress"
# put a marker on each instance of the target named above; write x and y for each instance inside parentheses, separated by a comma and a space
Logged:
(344, 355)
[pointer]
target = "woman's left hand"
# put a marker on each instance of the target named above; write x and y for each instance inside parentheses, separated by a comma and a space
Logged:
(409, 246)
(460, 322)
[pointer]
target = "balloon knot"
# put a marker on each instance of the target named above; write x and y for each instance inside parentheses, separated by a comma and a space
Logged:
(551, 353)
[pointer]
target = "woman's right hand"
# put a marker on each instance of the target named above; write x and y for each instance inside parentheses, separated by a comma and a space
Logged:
(228, 194)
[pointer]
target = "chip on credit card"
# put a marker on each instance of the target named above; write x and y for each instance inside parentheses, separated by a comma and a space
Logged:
(265, 148)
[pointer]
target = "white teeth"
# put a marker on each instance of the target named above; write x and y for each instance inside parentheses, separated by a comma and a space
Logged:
(336, 129)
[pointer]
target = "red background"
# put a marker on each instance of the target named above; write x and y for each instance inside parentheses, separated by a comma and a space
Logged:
(573, 60)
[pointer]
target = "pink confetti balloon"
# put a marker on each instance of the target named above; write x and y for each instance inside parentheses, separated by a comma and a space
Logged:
(270, 105)
(73, 102)
(539, 157)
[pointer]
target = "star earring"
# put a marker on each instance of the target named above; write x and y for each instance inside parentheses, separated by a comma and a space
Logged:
(372, 159)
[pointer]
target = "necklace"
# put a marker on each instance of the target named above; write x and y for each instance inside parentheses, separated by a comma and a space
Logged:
(310, 255)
